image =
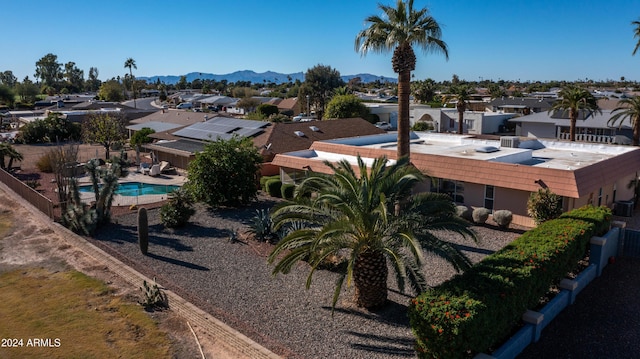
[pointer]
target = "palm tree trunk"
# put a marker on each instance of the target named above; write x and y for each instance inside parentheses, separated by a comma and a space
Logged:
(573, 115)
(404, 127)
(460, 119)
(636, 132)
(370, 279)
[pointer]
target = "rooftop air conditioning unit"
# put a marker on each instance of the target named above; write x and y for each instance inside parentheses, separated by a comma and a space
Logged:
(510, 141)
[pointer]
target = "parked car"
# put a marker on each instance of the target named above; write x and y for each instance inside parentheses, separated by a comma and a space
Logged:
(184, 105)
(384, 125)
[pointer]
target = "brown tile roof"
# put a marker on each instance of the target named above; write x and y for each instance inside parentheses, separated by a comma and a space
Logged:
(288, 103)
(283, 138)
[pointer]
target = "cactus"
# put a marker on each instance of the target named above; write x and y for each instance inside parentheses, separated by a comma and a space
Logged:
(143, 230)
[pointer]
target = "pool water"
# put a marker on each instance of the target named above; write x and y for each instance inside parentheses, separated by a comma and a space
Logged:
(136, 189)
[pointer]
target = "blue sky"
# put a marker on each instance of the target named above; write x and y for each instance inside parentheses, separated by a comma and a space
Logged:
(490, 39)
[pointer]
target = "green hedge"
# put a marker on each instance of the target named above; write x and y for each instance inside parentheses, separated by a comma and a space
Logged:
(264, 179)
(287, 190)
(478, 309)
(273, 188)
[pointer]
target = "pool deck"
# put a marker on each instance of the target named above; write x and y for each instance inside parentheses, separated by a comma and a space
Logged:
(163, 179)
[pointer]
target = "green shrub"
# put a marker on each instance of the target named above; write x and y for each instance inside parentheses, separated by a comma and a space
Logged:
(422, 126)
(503, 218)
(287, 190)
(177, 211)
(475, 311)
(464, 212)
(273, 188)
(544, 205)
(480, 215)
(264, 179)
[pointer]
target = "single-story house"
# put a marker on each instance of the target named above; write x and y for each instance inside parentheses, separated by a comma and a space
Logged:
(495, 174)
(590, 127)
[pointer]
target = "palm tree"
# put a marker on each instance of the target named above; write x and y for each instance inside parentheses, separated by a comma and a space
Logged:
(401, 29)
(575, 99)
(636, 34)
(131, 63)
(630, 108)
(462, 96)
(359, 217)
(8, 151)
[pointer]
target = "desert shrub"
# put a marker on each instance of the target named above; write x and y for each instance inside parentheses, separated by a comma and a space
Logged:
(503, 218)
(464, 212)
(273, 188)
(262, 226)
(287, 190)
(422, 126)
(45, 162)
(178, 209)
(480, 215)
(544, 205)
(153, 297)
(32, 183)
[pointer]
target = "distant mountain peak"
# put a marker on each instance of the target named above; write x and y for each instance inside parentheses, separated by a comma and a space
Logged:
(254, 77)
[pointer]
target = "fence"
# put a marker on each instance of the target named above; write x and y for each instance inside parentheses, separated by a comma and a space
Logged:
(631, 244)
(42, 203)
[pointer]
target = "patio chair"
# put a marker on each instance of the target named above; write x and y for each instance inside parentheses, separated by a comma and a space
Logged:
(144, 168)
(165, 167)
(154, 171)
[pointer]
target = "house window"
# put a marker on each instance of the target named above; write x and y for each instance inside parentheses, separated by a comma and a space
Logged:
(600, 197)
(489, 193)
(469, 123)
(454, 189)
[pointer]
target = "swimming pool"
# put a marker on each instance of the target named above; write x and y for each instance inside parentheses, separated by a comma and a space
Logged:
(136, 189)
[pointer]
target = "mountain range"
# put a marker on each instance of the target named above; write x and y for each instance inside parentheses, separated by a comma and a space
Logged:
(254, 77)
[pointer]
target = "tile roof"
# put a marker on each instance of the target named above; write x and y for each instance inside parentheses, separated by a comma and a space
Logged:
(281, 137)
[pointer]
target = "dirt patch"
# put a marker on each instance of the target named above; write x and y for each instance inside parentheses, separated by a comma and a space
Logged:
(30, 242)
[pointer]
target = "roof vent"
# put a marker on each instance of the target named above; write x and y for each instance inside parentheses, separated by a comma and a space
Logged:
(299, 133)
(314, 128)
(487, 149)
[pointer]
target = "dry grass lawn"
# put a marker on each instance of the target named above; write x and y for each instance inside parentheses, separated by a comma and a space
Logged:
(77, 314)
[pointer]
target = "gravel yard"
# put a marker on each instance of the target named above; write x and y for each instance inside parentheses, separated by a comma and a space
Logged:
(233, 282)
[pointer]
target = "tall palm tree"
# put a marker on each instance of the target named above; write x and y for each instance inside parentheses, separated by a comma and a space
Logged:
(131, 63)
(462, 96)
(401, 28)
(629, 108)
(359, 217)
(636, 34)
(575, 100)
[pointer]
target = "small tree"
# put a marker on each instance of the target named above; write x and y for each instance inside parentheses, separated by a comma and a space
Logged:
(105, 129)
(267, 109)
(225, 173)
(346, 106)
(139, 138)
(177, 211)
(544, 205)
